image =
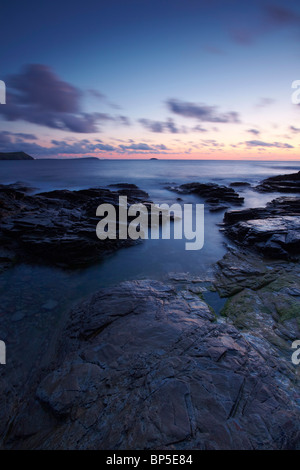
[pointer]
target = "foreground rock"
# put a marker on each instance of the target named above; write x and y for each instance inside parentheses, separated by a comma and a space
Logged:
(214, 194)
(144, 366)
(273, 230)
(57, 227)
(263, 301)
(282, 183)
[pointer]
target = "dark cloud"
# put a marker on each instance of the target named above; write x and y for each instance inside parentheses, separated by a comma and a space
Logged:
(20, 135)
(160, 126)
(271, 17)
(279, 15)
(124, 120)
(259, 143)
(294, 129)
(242, 36)
(140, 146)
(201, 112)
(253, 131)
(8, 143)
(39, 96)
(199, 129)
(83, 147)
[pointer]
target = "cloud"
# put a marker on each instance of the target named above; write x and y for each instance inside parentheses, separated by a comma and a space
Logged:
(10, 142)
(201, 112)
(96, 94)
(270, 18)
(124, 120)
(277, 15)
(294, 129)
(39, 96)
(253, 131)
(20, 135)
(199, 129)
(142, 147)
(264, 102)
(242, 36)
(160, 126)
(259, 143)
(168, 126)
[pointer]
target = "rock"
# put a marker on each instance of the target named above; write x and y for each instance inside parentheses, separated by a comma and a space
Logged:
(217, 207)
(273, 230)
(57, 227)
(143, 366)
(262, 302)
(50, 304)
(282, 183)
(17, 316)
(213, 193)
(239, 184)
(131, 190)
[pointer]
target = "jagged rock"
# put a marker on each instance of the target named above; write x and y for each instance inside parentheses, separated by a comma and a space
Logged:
(58, 227)
(273, 230)
(142, 366)
(263, 301)
(131, 190)
(213, 193)
(282, 183)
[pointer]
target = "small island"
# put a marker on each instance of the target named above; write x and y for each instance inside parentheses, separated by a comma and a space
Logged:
(15, 156)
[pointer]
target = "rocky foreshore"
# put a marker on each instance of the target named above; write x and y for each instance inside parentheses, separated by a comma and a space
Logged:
(148, 365)
(151, 365)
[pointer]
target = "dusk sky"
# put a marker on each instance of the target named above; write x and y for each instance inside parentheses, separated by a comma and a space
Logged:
(169, 79)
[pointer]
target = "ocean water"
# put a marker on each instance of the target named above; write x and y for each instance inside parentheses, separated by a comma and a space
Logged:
(34, 299)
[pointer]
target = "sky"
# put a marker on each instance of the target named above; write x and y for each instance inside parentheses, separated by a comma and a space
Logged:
(171, 79)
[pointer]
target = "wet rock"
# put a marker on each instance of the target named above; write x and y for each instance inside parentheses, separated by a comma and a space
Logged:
(143, 366)
(57, 227)
(262, 302)
(239, 184)
(273, 230)
(282, 183)
(17, 316)
(131, 190)
(50, 304)
(211, 192)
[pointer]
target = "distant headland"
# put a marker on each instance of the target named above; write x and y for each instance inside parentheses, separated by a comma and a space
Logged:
(15, 156)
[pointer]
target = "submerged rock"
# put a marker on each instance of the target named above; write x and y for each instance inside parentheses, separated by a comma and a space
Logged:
(143, 366)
